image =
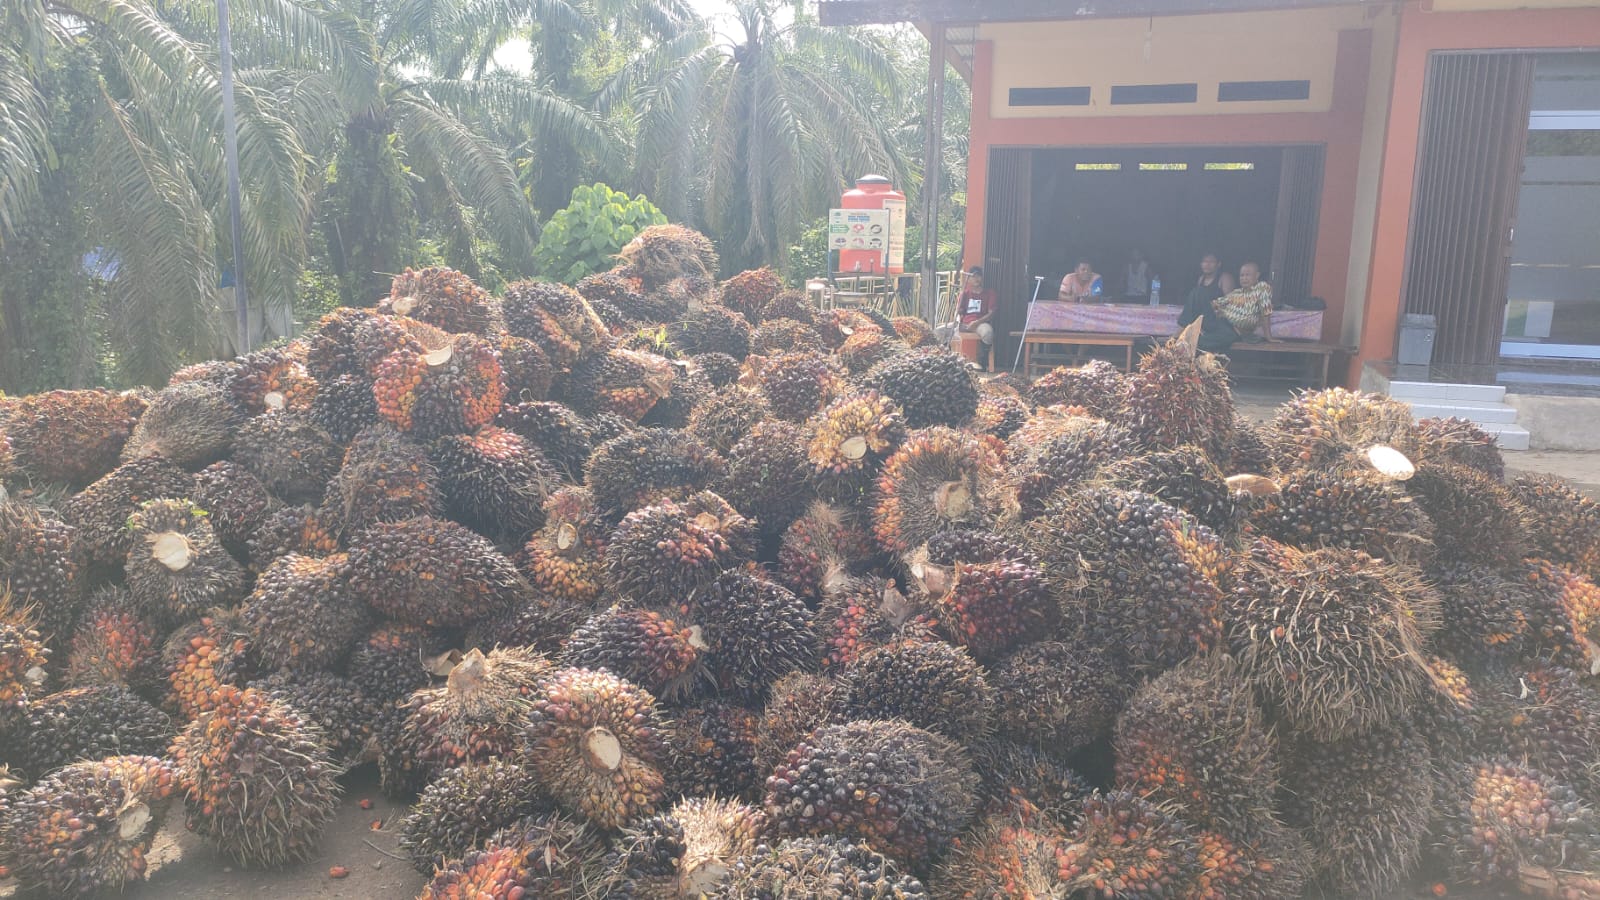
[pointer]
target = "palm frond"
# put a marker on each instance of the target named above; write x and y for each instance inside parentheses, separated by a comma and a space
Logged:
(24, 141)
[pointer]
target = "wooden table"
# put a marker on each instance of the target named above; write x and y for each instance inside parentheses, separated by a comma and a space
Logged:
(1316, 357)
(1151, 321)
(1074, 339)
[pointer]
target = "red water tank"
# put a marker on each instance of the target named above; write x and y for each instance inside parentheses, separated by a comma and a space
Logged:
(870, 244)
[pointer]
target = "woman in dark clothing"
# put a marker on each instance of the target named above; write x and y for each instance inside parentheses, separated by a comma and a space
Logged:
(1216, 335)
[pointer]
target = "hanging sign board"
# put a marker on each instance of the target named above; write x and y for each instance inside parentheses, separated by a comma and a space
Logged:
(897, 234)
(861, 230)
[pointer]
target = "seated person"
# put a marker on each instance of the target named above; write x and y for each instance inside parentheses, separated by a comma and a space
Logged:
(1080, 284)
(1136, 277)
(1213, 284)
(976, 306)
(1248, 307)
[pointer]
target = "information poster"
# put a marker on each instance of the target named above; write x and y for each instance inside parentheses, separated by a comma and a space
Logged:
(861, 230)
(897, 234)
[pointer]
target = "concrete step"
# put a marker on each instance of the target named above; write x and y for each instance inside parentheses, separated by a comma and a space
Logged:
(1481, 413)
(1509, 437)
(1435, 392)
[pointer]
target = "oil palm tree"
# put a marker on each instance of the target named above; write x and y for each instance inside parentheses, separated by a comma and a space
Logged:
(755, 133)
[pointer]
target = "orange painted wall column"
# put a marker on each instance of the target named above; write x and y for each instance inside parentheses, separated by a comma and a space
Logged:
(972, 249)
(1421, 33)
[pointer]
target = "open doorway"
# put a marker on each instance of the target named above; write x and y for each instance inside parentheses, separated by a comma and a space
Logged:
(1171, 204)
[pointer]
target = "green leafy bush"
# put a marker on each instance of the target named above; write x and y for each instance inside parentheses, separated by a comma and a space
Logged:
(583, 238)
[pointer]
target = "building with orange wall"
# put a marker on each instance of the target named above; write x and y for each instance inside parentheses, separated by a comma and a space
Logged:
(1379, 156)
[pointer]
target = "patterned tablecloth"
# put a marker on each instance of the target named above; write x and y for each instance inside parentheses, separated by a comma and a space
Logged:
(1131, 318)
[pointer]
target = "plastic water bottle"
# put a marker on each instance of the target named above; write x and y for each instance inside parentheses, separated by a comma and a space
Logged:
(1097, 288)
(1155, 291)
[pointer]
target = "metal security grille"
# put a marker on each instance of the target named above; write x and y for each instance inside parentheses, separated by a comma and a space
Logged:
(1474, 133)
(1005, 247)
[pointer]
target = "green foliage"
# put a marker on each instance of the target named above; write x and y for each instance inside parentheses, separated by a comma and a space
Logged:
(809, 256)
(369, 215)
(585, 237)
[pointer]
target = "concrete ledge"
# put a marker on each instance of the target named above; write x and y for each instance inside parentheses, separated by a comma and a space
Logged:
(1558, 423)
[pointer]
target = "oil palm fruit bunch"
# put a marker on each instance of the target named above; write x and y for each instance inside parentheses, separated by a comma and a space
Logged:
(525, 370)
(1320, 429)
(527, 318)
(1544, 715)
(564, 560)
(689, 389)
(257, 780)
(301, 616)
(1183, 477)
(617, 290)
(82, 723)
(1565, 525)
(331, 345)
(450, 388)
(1096, 386)
(1488, 615)
(1149, 573)
(344, 715)
(100, 511)
(710, 329)
(86, 828)
(756, 631)
(796, 384)
(931, 385)
(495, 482)
(768, 477)
(988, 594)
(1363, 803)
(828, 866)
(713, 750)
(1475, 517)
(375, 338)
(939, 479)
(597, 745)
(648, 647)
(685, 852)
(1450, 717)
(1350, 511)
(1195, 738)
(1025, 782)
(1007, 854)
(190, 424)
(236, 504)
(1178, 396)
(201, 659)
(868, 347)
(271, 380)
(862, 614)
(1228, 868)
(214, 370)
(1248, 452)
(1000, 415)
(1332, 639)
(115, 643)
(565, 438)
(73, 437)
(384, 477)
(797, 704)
(289, 453)
(662, 253)
(431, 572)
(1057, 697)
(848, 442)
(1126, 846)
(785, 335)
(392, 660)
(466, 806)
(822, 551)
(886, 783)
(1460, 441)
(177, 568)
(292, 529)
(1562, 613)
(1514, 828)
(929, 684)
(749, 292)
(24, 657)
(479, 711)
(547, 855)
(41, 567)
(646, 466)
(628, 383)
(727, 416)
(1054, 453)
(661, 553)
(571, 312)
(441, 297)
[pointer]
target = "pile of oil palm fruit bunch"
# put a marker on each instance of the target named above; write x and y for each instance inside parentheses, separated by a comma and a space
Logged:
(660, 588)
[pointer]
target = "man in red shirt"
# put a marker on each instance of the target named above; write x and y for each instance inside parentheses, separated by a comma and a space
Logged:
(976, 308)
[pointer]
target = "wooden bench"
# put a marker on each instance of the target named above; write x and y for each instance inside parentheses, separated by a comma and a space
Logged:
(1074, 339)
(1307, 361)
